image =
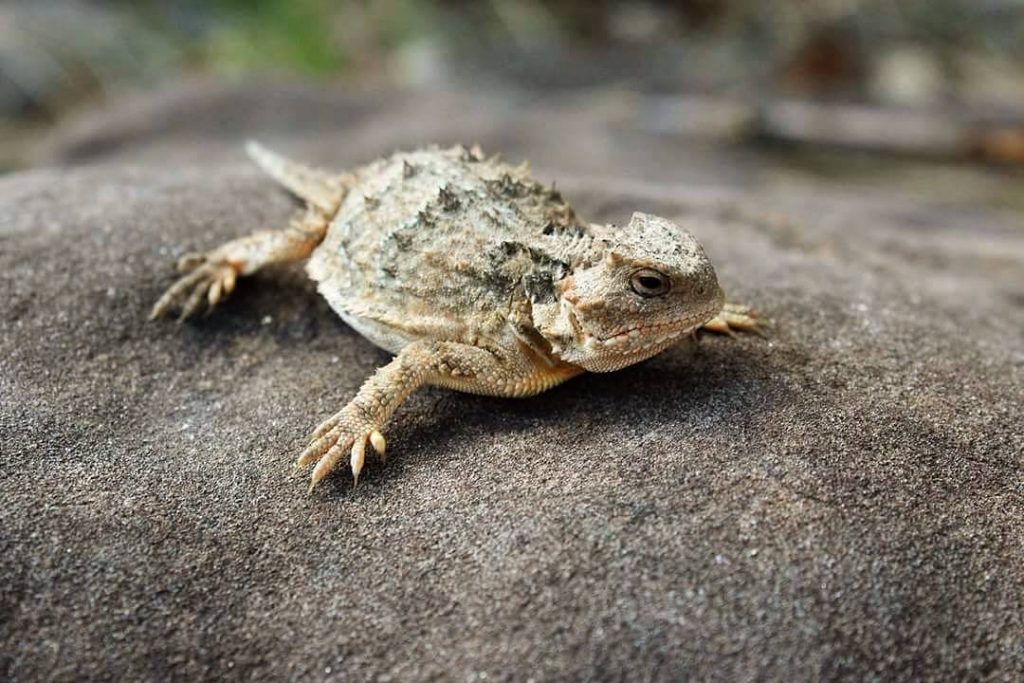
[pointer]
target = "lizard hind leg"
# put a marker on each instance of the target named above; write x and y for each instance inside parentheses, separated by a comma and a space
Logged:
(208, 278)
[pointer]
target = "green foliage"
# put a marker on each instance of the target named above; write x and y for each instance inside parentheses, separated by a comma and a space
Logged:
(287, 35)
(318, 37)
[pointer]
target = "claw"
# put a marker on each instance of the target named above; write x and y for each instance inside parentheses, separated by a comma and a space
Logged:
(358, 458)
(164, 302)
(344, 432)
(327, 463)
(746, 319)
(195, 300)
(719, 325)
(378, 442)
(229, 280)
(207, 280)
(215, 292)
(737, 317)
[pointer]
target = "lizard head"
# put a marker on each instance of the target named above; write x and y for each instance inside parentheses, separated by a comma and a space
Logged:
(645, 286)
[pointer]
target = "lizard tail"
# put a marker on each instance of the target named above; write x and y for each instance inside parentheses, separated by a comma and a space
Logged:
(320, 188)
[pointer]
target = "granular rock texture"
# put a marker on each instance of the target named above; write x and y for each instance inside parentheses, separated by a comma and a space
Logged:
(843, 500)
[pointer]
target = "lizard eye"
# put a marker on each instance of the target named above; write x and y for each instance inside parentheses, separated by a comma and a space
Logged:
(649, 283)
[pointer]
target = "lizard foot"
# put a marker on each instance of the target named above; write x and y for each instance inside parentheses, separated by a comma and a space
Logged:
(204, 280)
(347, 432)
(737, 317)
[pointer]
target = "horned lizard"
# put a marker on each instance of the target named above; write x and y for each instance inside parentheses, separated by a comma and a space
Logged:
(477, 277)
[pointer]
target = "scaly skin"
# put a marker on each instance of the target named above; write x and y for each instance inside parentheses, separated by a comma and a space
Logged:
(472, 369)
(475, 276)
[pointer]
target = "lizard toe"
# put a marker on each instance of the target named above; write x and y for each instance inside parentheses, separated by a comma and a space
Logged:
(345, 432)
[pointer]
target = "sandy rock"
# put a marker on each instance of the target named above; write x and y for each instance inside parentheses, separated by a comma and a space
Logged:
(841, 500)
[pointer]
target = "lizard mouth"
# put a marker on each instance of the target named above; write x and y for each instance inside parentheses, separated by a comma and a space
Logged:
(654, 333)
(647, 335)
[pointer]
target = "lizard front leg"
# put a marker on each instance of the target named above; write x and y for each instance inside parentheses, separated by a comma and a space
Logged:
(735, 317)
(211, 277)
(449, 364)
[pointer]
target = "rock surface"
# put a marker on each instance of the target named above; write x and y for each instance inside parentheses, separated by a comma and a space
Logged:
(843, 500)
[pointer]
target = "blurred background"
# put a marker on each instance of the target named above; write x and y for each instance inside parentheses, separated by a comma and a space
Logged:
(917, 92)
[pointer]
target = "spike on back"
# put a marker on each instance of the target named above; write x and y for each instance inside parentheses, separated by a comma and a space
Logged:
(320, 188)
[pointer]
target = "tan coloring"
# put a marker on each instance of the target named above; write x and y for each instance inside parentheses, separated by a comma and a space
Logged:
(474, 275)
